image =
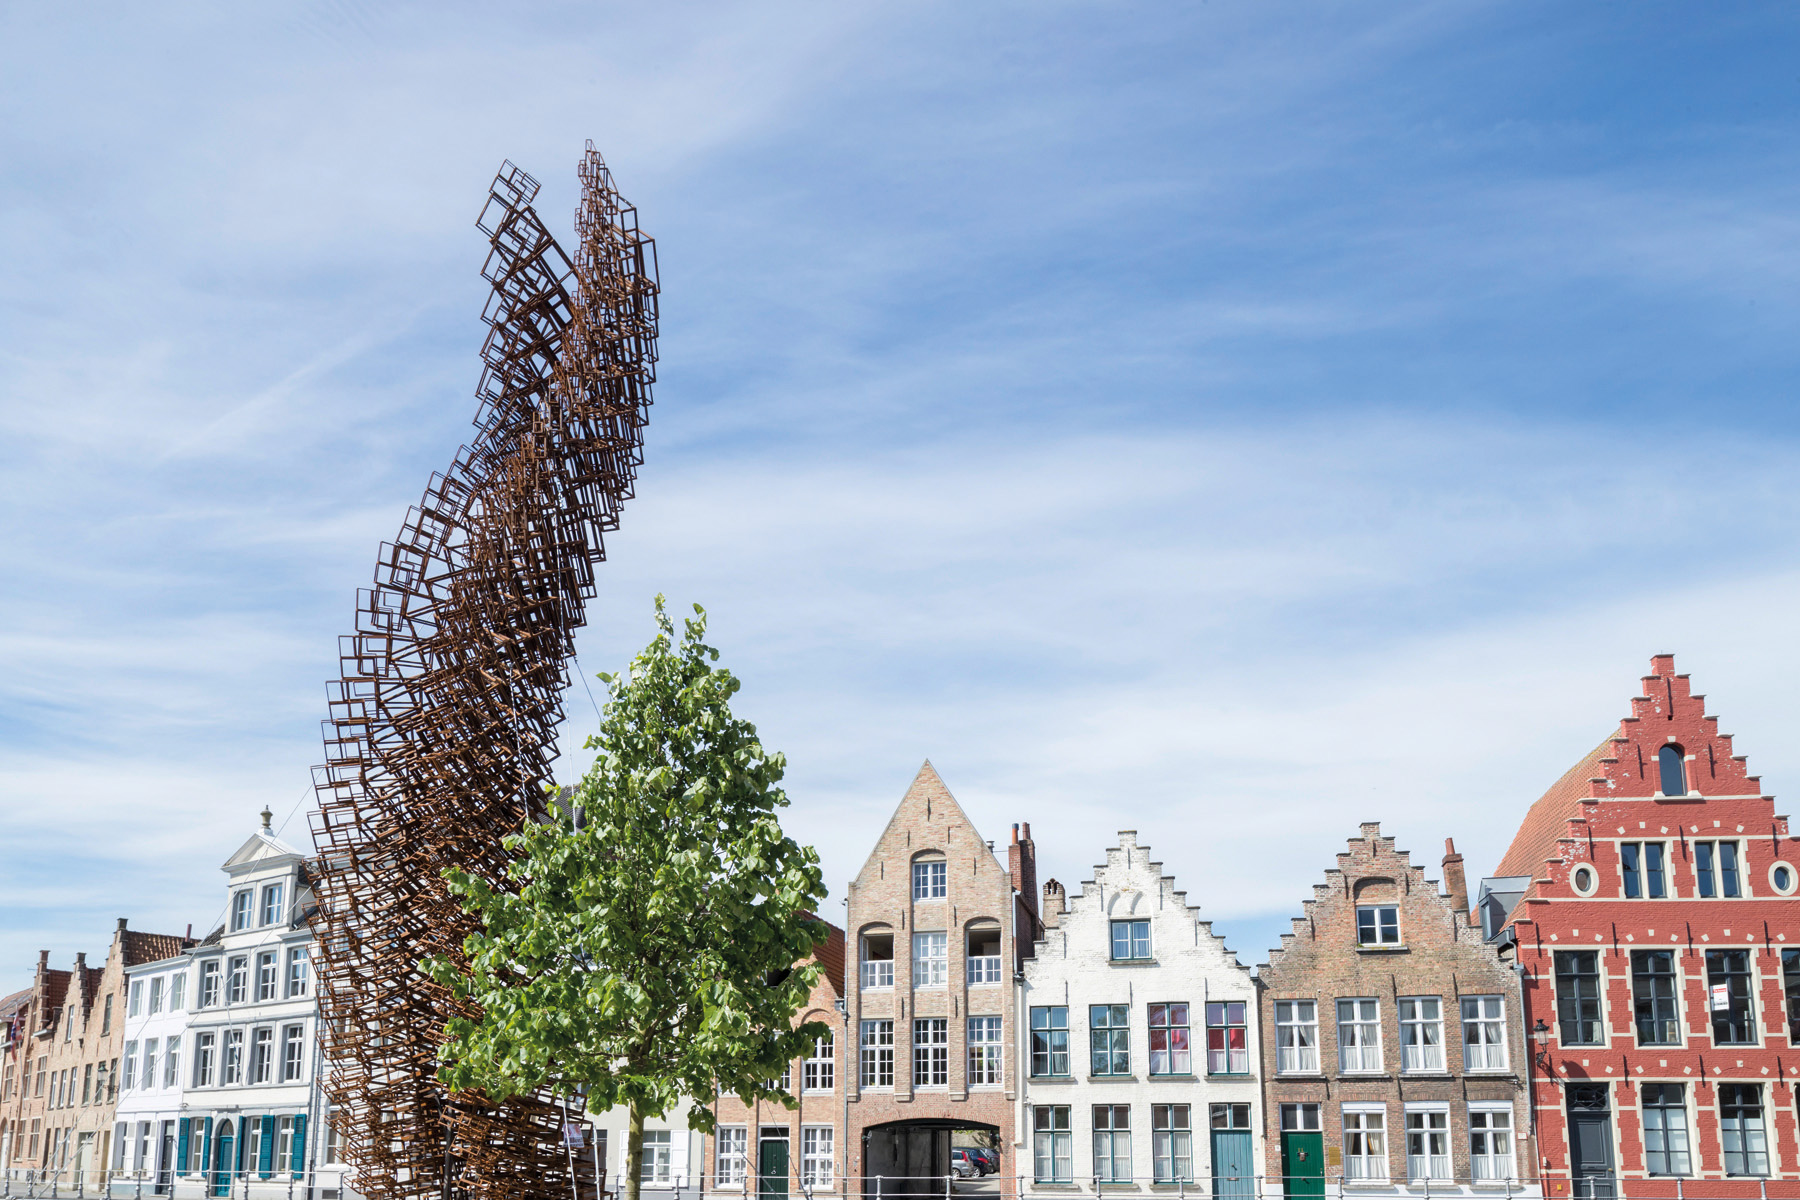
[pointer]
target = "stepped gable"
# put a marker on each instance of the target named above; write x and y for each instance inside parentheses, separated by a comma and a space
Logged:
(56, 990)
(1379, 852)
(1118, 862)
(1624, 767)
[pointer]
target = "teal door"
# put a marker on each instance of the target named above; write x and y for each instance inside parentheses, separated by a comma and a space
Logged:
(772, 1169)
(1303, 1165)
(224, 1158)
(1233, 1171)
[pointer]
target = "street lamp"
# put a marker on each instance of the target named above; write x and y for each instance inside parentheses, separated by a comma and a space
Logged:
(1541, 1035)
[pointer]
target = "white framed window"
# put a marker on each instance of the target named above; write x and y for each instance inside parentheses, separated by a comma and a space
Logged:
(1359, 1035)
(730, 1144)
(237, 982)
(293, 1052)
(128, 1075)
(172, 1062)
(931, 959)
(1365, 1142)
(284, 1145)
(262, 1055)
(1484, 1033)
(931, 1052)
(819, 1070)
(1296, 1037)
(815, 1156)
(135, 1003)
(1427, 1142)
(877, 1055)
(232, 1069)
(299, 962)
(1052, 1144)
(878, 960)
(1491, 1156)
(156, 994)
(658, 1157)
(1378, 925)
(1112, 1143)
(240, 911)
(150, 1047)
(1130, 941)
(271, 904)
(931, 879)
(267, 971)
(1421, 1033)
(984, 1051)
(209, 984)
(203, 1059)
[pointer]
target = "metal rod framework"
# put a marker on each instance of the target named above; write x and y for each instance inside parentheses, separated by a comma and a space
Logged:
(442, 728)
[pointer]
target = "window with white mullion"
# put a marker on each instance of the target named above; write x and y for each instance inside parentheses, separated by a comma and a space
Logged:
(1427, 1143)
(1484, 1033)
(1296, 1036)
(1359, 1035)
(1421, 1033)
(1491, 1157)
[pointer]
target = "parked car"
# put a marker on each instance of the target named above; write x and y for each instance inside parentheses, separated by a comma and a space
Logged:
(990, 1161)
(964, 1163)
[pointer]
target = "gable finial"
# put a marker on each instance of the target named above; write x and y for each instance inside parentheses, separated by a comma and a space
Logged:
(267, 816)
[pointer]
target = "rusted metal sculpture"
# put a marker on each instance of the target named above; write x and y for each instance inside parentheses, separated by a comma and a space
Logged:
(443, 727)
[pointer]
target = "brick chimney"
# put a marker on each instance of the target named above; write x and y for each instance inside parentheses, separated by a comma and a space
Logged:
(1055, 903)
(1021, 860)
(1454, 880)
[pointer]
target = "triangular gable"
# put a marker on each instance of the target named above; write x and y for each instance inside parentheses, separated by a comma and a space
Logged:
(260, 846)
(927, 802)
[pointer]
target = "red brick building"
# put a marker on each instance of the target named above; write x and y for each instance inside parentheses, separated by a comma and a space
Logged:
(938, 925)
(762, 1142)
(1650, 898)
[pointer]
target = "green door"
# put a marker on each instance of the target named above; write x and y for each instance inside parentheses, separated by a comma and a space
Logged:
(223, 1160)
(772, 1169)
(1303, 1164)
(1234, 1172)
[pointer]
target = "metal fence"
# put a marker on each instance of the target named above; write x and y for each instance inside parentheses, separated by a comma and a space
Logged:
(57, 1184)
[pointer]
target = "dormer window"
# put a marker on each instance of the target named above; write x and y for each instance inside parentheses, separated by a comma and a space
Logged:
(1378, 925)
(931, 879)
(271, 904)
(240, 911)
(1674, 776)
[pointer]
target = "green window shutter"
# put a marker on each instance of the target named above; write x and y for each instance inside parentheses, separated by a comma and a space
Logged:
(181, 1146)
(205, 1144)
(298, 1158)
(266, 1166)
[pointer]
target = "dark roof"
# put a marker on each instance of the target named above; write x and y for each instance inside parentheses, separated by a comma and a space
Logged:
(152, 947)
(829, 954)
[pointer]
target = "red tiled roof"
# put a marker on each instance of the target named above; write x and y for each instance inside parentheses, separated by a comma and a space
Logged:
(1547, 821)
(829, 954)
(152, 947)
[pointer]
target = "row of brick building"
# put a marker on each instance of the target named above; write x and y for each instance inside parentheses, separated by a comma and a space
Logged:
(1616, 1012)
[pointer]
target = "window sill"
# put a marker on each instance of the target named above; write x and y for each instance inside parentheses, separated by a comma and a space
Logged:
(1187, 1075)
(1128, 962)
(1363, 1076)
(1400, 949)
(1426, 1075)
(1052, 1079)
(1112, 1078)
(1229, 1074)
(1300, 1076)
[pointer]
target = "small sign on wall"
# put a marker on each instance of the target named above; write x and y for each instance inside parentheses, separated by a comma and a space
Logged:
(1334, 1155)
(1721, 997)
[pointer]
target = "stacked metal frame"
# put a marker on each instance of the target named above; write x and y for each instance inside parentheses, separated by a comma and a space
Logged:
(443, 726)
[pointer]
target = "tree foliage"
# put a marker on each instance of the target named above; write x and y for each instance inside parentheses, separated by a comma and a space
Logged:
(647, 950)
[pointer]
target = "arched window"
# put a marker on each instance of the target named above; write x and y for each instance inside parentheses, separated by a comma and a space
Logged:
(1674, 779)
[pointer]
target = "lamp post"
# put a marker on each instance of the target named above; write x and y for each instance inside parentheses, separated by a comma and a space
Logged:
(1540, 1034)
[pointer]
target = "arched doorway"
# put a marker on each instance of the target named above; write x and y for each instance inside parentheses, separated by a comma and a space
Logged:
(912, 1158)
(224, 1148)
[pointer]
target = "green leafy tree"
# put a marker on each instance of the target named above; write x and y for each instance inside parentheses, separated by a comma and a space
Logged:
(646, 950)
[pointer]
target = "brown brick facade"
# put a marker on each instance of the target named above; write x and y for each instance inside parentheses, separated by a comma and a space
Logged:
(1422, 958)
(899, 1119)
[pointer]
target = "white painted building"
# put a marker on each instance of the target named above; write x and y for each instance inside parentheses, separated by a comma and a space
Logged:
(1138, 1041)
(253, 1117)
(151, 1074)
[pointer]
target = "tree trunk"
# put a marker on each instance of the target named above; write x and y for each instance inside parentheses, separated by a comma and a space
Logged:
(634, 1153)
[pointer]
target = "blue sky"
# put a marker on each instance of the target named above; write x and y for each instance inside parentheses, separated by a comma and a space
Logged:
(1232, 421)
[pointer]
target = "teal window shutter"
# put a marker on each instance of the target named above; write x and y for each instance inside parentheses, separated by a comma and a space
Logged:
(298, 1158)
(205, 1144)
(181, 1146)
(266, 1164)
